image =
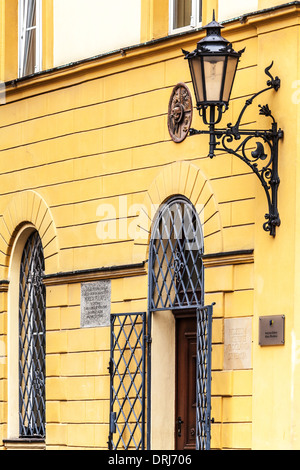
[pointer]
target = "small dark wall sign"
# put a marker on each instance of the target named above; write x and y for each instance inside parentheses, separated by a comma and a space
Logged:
(180, 112)
(271, 330)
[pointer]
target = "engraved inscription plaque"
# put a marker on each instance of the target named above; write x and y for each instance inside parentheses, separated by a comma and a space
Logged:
(237, 343)
(271, 330)
(95, 303)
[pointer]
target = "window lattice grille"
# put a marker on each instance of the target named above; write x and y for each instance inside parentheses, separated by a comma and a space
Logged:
(203, 377)
(176, 252)
(32, 340)
(127, 369)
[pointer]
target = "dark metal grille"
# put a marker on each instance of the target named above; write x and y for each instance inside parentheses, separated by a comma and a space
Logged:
(203, 377)
(127, 384)
(176, 250)
(32, 340)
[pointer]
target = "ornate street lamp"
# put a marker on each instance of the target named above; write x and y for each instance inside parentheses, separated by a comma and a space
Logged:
(213, 66)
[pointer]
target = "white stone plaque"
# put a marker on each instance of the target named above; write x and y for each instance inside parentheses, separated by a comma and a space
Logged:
(95, 303)
(237, 343)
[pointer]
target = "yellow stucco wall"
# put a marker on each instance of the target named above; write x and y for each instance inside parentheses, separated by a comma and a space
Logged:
(81, 147)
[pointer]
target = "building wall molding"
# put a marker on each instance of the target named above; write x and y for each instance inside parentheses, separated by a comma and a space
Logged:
(185, 179)
(228, 258)
(139, 269)
(4, 285)
(112, 272)
(94, 67)
(28, 207)
(24, 444)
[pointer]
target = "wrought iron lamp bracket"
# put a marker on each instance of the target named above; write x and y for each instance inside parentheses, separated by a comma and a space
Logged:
(222, 140)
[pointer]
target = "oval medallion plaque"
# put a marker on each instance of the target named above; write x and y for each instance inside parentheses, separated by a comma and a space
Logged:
(180, 112)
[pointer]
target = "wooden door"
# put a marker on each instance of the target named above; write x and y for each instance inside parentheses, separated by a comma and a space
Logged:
(185, 417)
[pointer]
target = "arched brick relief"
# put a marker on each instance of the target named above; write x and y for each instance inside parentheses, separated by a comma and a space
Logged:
(28, 207)
(186, 179)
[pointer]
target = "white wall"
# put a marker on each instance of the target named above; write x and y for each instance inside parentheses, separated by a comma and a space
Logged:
(85, 28)
(233, 8)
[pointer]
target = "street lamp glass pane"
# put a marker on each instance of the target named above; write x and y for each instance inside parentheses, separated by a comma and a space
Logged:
(213, 71)
(230, 73)
(196, 73)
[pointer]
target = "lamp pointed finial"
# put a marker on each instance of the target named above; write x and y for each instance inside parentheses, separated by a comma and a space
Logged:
(214, 16)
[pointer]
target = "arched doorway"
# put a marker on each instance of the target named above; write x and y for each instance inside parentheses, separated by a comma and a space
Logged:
(180, 327)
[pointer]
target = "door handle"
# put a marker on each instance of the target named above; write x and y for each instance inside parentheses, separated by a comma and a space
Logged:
(179, 422)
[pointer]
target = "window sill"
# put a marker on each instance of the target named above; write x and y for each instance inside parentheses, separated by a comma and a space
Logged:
(24, 444)
(184, 29)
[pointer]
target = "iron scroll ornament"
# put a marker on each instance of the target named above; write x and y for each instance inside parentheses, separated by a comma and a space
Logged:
(263, 161)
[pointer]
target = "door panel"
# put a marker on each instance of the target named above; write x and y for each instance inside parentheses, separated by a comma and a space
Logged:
(186, 351)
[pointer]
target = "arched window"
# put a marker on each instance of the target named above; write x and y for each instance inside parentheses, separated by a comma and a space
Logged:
(32, 340)
(176, 250)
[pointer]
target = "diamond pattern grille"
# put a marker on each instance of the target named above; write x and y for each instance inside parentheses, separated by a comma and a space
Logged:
(32, 340)
(127, 370)
(203, 377)
(176, 251)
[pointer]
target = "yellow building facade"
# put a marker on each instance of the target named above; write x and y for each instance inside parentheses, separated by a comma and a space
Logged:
(87, 160)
